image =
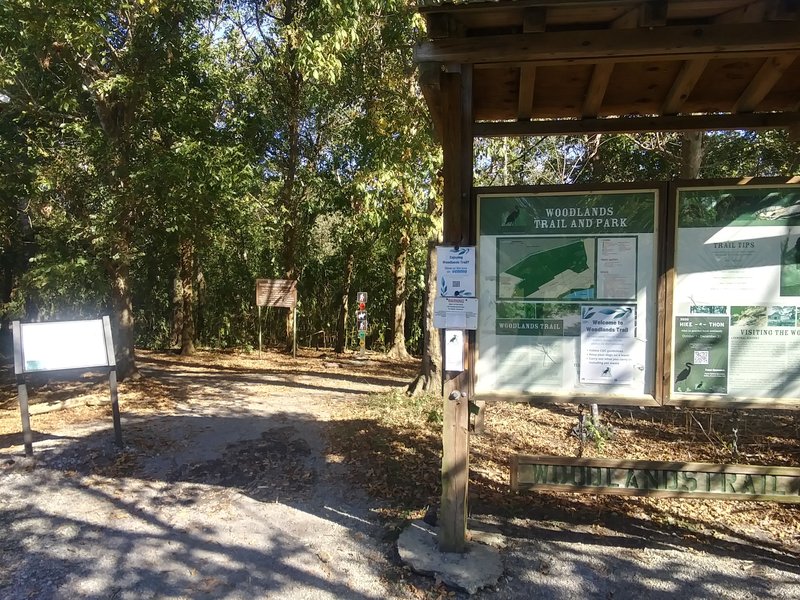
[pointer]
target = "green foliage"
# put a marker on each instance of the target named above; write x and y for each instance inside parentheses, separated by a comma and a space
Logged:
(278, 138)
(398, 406)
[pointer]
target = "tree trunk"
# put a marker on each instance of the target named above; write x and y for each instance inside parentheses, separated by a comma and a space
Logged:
(341, 326)
(122, 301)
(177, 308)
(287, 193)
(691, 154)
(187, 287)
(398, 348)
(430, 377)
(597, 170)
(199, 300)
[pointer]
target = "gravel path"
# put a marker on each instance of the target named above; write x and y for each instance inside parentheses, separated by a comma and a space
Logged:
(231, 495)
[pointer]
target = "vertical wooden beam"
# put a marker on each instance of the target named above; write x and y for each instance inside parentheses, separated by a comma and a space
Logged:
(112, 379)
(24, 411)
(667, 282)
(534, 21)
(458, 159)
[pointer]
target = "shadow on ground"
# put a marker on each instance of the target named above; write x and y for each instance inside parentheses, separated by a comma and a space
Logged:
(225, 498)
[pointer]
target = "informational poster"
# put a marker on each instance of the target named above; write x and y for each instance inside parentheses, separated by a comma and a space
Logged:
(456, 271)
(737, 291)
(455, 313)
(454, 350)
(701, 355)
(555, 270)
(608, 344)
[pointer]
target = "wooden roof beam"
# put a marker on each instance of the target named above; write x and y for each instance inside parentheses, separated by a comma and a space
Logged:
(714, 122)
(593, 100)
(662, 43)
(430, 77)
(534, 21)
(442, 25)
(653, 14)
(682, 87)
(783, 10)
(749, 13)
(601, 74)
(768, 75)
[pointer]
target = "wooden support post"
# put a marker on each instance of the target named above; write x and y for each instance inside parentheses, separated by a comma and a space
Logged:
(479, 417)
(112, 380)
(22, 389)
(112, 383)
(27, 432)
(458, 219)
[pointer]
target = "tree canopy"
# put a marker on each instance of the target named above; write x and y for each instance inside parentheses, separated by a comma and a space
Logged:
(160, 155)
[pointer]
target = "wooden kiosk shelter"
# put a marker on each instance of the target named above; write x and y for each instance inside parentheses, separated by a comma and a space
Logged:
(553, 67)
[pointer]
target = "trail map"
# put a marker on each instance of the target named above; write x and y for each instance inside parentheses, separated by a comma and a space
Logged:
(552, 268)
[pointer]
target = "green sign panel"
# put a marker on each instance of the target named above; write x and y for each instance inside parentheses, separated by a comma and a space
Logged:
(546, 214)
(542, 258)
(736, 295)
(701, 355)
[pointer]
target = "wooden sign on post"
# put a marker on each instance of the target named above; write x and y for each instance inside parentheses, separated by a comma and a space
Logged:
(60, 347)
(280, 293)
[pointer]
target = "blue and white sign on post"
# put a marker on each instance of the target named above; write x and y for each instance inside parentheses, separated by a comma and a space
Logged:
(456, 271)
(456, 305)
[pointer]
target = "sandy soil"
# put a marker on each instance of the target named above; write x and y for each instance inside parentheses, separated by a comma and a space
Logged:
(247, 477)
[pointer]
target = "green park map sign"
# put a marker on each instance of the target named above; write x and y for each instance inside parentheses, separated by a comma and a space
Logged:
(544, 257)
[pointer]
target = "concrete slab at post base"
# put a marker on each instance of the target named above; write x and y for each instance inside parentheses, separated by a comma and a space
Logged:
(478, 567)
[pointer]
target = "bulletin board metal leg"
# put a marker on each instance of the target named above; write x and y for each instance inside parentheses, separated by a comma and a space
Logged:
(27, 433)
(112, 382)
(294, 332)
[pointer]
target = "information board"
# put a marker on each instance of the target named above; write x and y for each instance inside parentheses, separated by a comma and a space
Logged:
(63, 345)
(567, 293)
(60, 346)
(736, 298)
(281, 293)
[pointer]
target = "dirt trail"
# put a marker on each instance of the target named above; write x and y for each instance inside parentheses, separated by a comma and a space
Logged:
(226, 489)
(226, 494)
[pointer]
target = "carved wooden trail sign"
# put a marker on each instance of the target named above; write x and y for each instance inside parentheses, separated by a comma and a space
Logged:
(654, 478)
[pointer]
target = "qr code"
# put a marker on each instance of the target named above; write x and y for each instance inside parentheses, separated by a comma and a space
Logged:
(701, 357)
(456, 284)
